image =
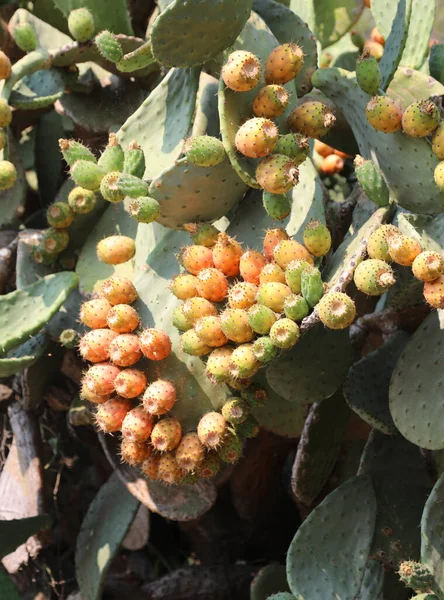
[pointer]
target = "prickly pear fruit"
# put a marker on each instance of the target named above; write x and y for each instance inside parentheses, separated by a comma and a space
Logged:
(272, 239)
(284, 333)
(150, 467)
(110, 414)
(134, 160)
(190, 343)
(81, 201)
(155, 344)
(94, 345)
(317, 238)
(371, 181)
(55, 240)
(90, 396)
(236, 383)
(438, 175)
(284, 64)
(109, 47)
(273, 295)
(377, 246)
(368, 75)
(226, 255)
(42, 256)
(5, 66)
(209, 467)
(73, 151)
(190, 452)
(144, 209)
(242, 71)
(270, 102)
(212, 429)
(235, 325)
(235, 410)
(255, 396)
(331, 164)
(212, 284)
(218, 365)
(168, 470)
(100, 378)
(438, 141)
(256, 137)
(277, 174)
(336, 310)
(87, 174)
(130, 383)
(420, 118)
(403, 250)
(115, 186)
(81, 24)
(272, 272)
(251, 265)
(293, 145)
(277, 206)
(196, 308)
(209, 330)
(288, 251)
(59, 214)
(5, 113)
(113, 156)
(428, 266)
(195, 258)
(230, 450)
(374, 48)
(118, 290)
(93, 313)
(373, 277)
(69, 338)
(296, 307)
(204, 151)
(312, 118)
(116, 249)
(184, 286)
(109, 187)
(384, 114)
(312, 288)
(243, 362)
(159, 397)
(124, 350)
(202, 234)
(25, 37)
(242, 295)
(261, 318)
(179, 320)
(416, 576)
(434, 292)
(122, 318)
(137, 425)
(134, 453)
(249, 428)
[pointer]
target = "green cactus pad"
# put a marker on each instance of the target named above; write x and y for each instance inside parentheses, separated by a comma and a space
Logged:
(314, 369)
(25, 311)
(24, 356)
(367, 384)
(372, 584)
(413, 187)
(39, 90)
(187, 193)
(319, 448)
(271, 579)
(162, 122)
(401, 484)
(286, 26)
(184, 35)
(415, 389)
(334, 539)
(432, 533)
(112, 15)
(395, 42)
(409, 86)
(206, 118)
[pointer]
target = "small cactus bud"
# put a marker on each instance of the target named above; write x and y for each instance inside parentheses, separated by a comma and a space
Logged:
(109, 47)
(417, 576)
(317, 238)
(116, 249)
(230, 450)
(371, 180)
(112, 157)
(73, 151)
(235, 325)
(5, 66)
(212, 429)
(293, 145)
(81, 24)
(204, 151)
(384, 114)
(270, 102)
(25, 36)
(277, 174)
(242, 71)
(277, 206)
(368, 75)
(296, 307)
(373, 277)
(69, 338)
(256, 137)
(94, 313)
(284, 64)
(434, 292)
(110, 414)
(134, 160)
(428, 266)
(5, 113)
(190, 452)
(420, 118)
(159, 397)
(118, 290)
(312, 119)
(87, 174)
(144, 209)
(59, 215)
(243, 362)
(312, 288)
(261, 318)
(336, 310)
(218, 365)
(81, 201)
(226, 255)
(235, 411)
(55, 240)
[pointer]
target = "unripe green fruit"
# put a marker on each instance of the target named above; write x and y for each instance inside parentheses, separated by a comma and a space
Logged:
(264, 350)
(293, 145)
(81, 24)
(261, 318)
(112, 157)
(209, 467)
(235, 411)
(191, 343)
(377, 246)
(73, 151)
(293, 274)
(438, 175)
(384, 114)
(134, 160)
(368, 74)
(204, 151)
(312, 288)
(55, 240)
(296, 307)
(109, 47)
(231, 449)
(25, 37)
(254, 396)
(132, 186)
(420, 118)
(243, 362)
(277, 174)
(116, 249)
(372, 182)
(311, 118)
(81, 201)
(357, 39)
(270, 102)
(144, 209)
(242, 71)
(438, 141)
(87, 174)
(284, 63)
(42, 256)
(218, 365)
(249, 428)
(59, 215)
(109, 187)
(273, 295)
(8, 175)
(284, 334)
(317, 238)
(202, 234)
(69, 338)
(180, 321)
(336, 310)
(416, 576)
(5, 113)
(277, 206)
(373, 277)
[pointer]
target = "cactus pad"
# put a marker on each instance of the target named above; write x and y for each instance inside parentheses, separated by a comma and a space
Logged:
(38, 90)
(24, 356)
(271, 579)
(432, 533)
(409, 86)
(395, 42)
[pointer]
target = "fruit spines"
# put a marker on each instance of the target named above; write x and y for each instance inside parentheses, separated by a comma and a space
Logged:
(166, 434)
(202, 234)
(212, 429)
(235, 410)
(109, 46)
(368, 75)
(416, 576)
(204, 151)
(190, 452)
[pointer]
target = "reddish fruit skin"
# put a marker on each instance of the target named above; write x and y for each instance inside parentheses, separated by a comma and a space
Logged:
(184, 286)
(434, 292)
(168, 470)
(110, 415)
(211, 429)
(226, 255)
(94, 345)
(332, 164)
(384, 114)
(134, 453)
(94, 313)
(272, 239)
(284, 63)
(256, 137)
(137, 425)
(155, 344)
(118, 290)
(166, 434)
(122, 318)
(242, 71)
(212, 285)
(100, 378)
(159, 397)
(242, 295)
(124, 350)
(130, 383)
(209, 330)
(116, 249)
(190, 452)
(150, 467)
(251, 265)
(195, 258)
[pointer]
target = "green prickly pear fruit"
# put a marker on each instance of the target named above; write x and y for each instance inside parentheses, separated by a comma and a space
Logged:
(81, 201)
(196, 258)
(242, 295)
(144, 209)
(373, 277)
(243, 362)
(25, 37)
(261, 318)
(94, 313)
(249, 428)
(368, 74)
(166, 434)
(195, 308)
(60, 215)
(132, 186)
(122, 318)
(377, 246)
(254, 396)
(434, 292)
(209, 467)
(284, 64)
(184, 286)
(357, 39)
(218, 365)
(81, 24)
(284, 334)
(180, 321)
(236, 326)
(420, 118)
(69, 338)
(272, 239)
(118, 290)
(42, 256)
(8, 175)
(231, 449)
(277, 206)
(438, 175)
(264, 350)
(384, 114)
(272, 272)
(159, 397)
(3, 138)
(336, 310)
(312, 288)
(416, 576)
(210, 332)
(317, 238)
(130, 383)
(110, 414)
(73, 151)
(293, 274)
(134, 160)
(190, 343)
(428, 266)
(273, 295)
(116, 249)
(293, 145)
(212, 429)
(235, 411)
(190, 452)
(55, 240)
(311, 118)
(277, 174)
(5, 113)
(137, 425)
(87, 174)
(109, 46)
(202, 234)
(296, 307)
(438, 141)
(242, 71)
(289, 250)
(116, 185)
(256, 137)
(371, 181)
(113, 156)
(204, 151)
(270, 102)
